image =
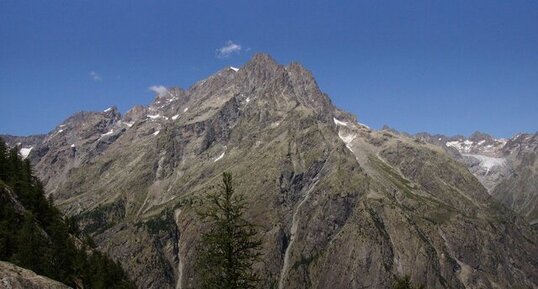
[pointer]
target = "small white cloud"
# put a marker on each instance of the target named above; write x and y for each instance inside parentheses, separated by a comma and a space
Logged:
(95, 76)
(159, 90)
(228, 49)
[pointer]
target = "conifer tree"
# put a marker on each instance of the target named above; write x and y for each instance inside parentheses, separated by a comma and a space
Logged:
(229, 247)
(35, 235)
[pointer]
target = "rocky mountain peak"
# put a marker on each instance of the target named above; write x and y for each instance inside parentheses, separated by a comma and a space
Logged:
(307, 89)
(292, 84)
(524, 141)
(135, 113)
(480, 136)
(261, 59)
(260, 70)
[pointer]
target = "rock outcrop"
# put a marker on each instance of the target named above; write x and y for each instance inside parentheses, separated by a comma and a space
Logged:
(15, 277)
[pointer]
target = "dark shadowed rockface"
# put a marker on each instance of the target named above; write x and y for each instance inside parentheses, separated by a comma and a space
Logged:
(340, 205)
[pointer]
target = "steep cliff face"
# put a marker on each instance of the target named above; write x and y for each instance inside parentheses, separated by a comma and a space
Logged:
(340, 205)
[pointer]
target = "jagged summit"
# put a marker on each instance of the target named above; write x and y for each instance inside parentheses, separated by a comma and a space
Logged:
(262, 59)
(479, 136)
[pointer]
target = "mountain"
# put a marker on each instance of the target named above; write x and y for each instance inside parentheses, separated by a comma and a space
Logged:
(339, 205)
(506, 167)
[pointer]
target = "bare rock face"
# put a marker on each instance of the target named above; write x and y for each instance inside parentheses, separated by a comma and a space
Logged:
(15, 277)
(339, 205)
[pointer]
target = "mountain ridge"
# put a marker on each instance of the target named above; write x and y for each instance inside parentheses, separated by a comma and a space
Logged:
(341, 205)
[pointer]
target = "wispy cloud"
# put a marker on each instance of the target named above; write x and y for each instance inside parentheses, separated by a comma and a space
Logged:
(159, 90)
(95, 76)
(228, 49)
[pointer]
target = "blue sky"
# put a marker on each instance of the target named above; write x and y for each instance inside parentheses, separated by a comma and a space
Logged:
(448, 67)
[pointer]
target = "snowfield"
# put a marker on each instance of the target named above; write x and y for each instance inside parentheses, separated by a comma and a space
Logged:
(486, 162)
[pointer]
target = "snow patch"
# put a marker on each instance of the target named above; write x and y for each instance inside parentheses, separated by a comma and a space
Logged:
(156, 132)
(461, 146)
(153, 116)
(338, 122)
(186, 109)
(108, 109)
(502, 141)
(234, 68)
(108, 133)
(129, 124)
(73, 145)
(362, 124)
(55, 134)
(175, 117)
(347, 139)
(248, 99)
(221, 155)
(25, 152)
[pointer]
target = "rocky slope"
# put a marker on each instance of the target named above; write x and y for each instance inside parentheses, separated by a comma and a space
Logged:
(14, 277)
(340, 205)
(35, 235)
(506, 167)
